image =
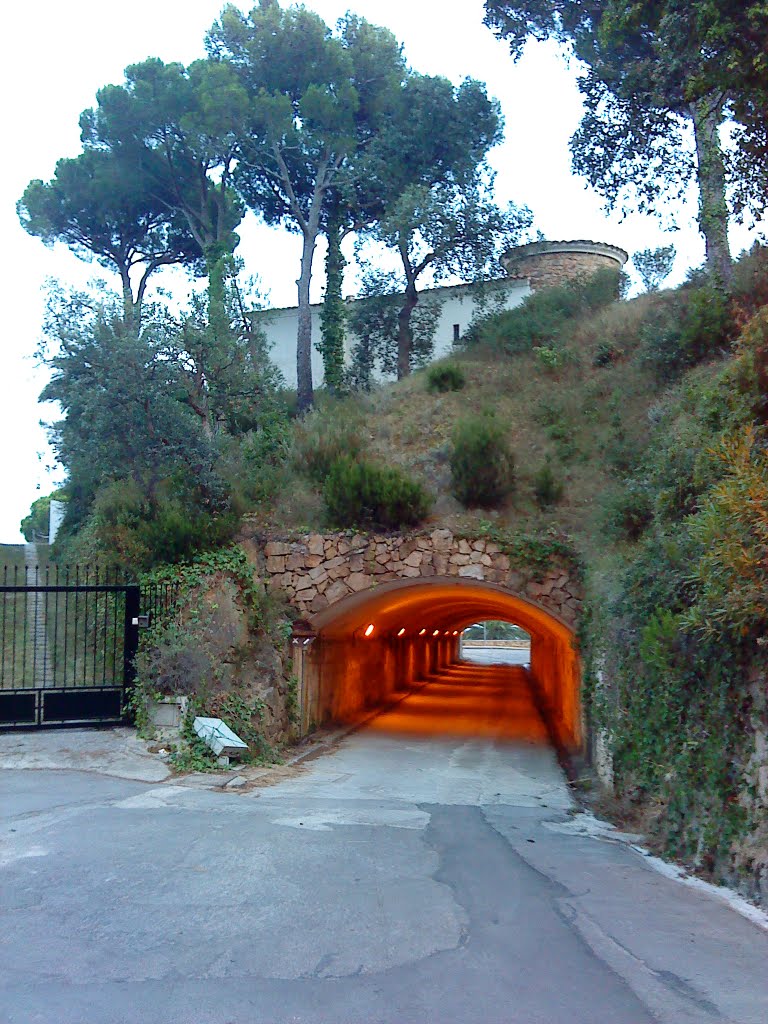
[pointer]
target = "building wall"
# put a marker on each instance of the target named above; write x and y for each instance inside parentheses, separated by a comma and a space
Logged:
(280, 327)
(458, 309)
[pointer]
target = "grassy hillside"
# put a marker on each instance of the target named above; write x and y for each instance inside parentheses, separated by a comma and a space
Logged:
(586, 418)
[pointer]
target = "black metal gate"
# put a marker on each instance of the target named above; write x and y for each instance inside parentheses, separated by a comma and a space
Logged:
(68, 640)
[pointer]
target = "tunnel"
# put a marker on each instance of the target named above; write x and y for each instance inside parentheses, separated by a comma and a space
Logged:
(371, 647)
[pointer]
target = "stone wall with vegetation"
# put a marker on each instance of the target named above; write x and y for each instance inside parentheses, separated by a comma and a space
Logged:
(225, 647)
(676, 640)
(316, 570)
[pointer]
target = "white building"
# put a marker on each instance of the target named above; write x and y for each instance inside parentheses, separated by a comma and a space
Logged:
(459, 305)
(537, 265)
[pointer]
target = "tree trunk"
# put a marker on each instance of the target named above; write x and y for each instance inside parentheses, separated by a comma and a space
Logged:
(713, 208)
(218, 321)
(333, 315)
(131, 309)
(305, 395)
(404, 331)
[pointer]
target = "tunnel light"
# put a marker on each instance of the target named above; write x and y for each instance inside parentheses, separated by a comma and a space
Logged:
(422, 632)
(401, 631)
(369, 629)
(455, 632)
(447, 632)
(436, 633)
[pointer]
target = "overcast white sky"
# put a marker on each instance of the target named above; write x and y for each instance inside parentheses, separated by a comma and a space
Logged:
(56, 55)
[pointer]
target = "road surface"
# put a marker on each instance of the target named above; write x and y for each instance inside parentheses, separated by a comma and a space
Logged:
(431, 870)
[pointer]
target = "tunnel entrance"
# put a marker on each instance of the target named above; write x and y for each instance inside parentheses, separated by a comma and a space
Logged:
(376, 645)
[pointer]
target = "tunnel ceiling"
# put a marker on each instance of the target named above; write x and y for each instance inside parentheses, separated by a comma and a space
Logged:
(436, 603)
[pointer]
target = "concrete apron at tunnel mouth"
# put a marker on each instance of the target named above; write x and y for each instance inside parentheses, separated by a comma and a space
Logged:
(472, 735)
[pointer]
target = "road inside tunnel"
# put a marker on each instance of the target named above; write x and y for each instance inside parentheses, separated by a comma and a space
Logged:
(495, 702)
(375, 647)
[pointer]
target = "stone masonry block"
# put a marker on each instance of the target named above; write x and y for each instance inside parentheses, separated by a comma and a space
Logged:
(359, 581)
(316, 544)
(275, 547)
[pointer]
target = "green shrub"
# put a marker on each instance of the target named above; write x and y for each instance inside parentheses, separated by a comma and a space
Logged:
(606, 353)
(547, 486)
(363, 494)
(324, 437)
(255, 465)
(448, 377)
(551, 358)
(548, 314)
(482, 465)
(627, 512)
(693, 326)
(750, 279)
(130, 530)
(559, 427)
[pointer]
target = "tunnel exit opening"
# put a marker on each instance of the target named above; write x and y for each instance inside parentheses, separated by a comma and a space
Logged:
(495, 642)
(375, 646)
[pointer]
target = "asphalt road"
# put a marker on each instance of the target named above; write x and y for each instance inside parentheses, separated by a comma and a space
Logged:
(431, 869)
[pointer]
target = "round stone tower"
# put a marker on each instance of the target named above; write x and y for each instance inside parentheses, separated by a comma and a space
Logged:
(552, 263)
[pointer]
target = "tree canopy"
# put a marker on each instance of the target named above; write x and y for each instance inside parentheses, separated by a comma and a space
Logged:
(426, 190)
(178, 131)
(645, 86)
(100, 209)
(313, 100)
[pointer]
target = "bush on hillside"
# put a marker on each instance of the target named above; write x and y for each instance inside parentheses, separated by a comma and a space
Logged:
(255, 465)
(325, 436)
(627, 512)
(482, 465)
(546, 315)
(445, 377)
(137, 533)
(547, 486)
(750, 280)
(693, 326)
(358, 493)
(606, 354)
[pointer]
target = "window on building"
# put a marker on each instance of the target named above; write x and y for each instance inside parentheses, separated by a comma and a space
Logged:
(456, 332)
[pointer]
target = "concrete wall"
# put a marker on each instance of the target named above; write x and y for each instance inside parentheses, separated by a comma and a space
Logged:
(556, 676)
(459, 306)
(56, 514)
(340, 680)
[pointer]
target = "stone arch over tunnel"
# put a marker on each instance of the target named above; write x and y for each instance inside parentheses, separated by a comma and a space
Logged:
(368, 647)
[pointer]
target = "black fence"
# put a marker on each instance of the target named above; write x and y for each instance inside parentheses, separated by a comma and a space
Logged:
(68, 641)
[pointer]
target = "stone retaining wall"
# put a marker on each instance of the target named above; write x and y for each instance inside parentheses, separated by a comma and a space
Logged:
(317, 570)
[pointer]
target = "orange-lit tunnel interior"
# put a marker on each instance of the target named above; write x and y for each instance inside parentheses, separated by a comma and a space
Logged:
(373, 646)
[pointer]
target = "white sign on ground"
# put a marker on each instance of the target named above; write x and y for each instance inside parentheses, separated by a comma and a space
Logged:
(219, 737)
